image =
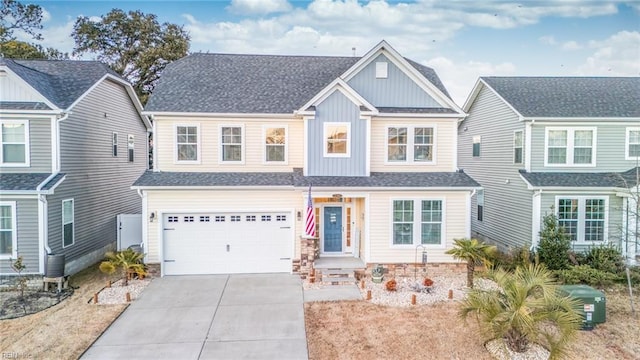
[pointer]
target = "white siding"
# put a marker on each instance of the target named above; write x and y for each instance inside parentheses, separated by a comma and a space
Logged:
(14, 90)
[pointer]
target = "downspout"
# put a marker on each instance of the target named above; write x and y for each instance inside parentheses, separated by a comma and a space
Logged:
(535, 224)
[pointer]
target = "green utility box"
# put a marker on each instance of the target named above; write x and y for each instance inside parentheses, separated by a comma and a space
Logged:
(593, 303)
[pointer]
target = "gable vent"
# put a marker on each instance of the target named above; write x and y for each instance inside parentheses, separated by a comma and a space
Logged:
(382, 70)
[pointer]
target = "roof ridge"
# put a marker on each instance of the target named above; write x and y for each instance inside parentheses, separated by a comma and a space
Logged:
(273, 55)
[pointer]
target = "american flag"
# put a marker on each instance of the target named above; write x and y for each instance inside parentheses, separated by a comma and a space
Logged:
(310, 223)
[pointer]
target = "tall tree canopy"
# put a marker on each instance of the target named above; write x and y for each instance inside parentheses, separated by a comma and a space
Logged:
(134, 44)
(17, 16)
(15, 49)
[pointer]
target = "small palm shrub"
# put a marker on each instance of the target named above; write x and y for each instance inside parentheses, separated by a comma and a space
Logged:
(391, 285)
(585, 274)
(474, 252)
(127, 261)
(555, 244)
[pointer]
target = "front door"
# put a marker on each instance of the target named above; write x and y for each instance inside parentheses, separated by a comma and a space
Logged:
(332, 226)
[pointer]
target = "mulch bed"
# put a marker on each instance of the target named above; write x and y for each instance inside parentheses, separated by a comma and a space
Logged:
(13, 306)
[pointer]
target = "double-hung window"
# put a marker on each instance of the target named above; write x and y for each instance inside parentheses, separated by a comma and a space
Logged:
(114, 144)
(130, 147)
(337, 139)
(570, 146)
(231, 144)
(68, 236)
(14, 136)
(187, 143)
(275, 142)
(583, 218)
(517, 147)
(475, 150)
(410, 144)
(8, 236)
(632, 143)
(480, 203)
(417, 222)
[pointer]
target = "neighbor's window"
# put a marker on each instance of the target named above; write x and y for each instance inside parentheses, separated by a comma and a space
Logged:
(517, 147)
(15, 143)
(583, 218)
(187, 138)
(336, 137)
(476, 146)
(275, 144)
(417, 222)
(633, 143)
(114, 144)
(570, 146)
(67, 223)
(8, 236)
(130, 147)
(231, 143)
(480, 201)
(410, 144)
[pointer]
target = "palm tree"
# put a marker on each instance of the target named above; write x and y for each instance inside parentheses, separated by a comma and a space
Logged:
(525, 308)
(127, 260)
(474, 252)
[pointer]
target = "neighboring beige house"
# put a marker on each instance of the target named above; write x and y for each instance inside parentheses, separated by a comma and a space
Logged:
(240, 138)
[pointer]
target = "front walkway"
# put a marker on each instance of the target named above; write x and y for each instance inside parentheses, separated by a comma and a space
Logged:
(210, 317)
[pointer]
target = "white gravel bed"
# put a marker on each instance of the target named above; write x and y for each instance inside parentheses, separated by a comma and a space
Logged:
(116, 294)
(500, 351)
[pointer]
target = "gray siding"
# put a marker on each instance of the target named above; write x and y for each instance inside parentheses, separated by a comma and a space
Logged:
(397, 90)
(98, 182)
(614, 219)
(507, 206)
(610, 149)
(337, 108)
(27, 223)
(40, 147)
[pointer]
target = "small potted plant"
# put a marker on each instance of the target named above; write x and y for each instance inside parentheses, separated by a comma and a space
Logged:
(376, 274)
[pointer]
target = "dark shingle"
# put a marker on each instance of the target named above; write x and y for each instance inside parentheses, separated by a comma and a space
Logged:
(567, 97)
(21, 182)
(16, 105)
(625, 179)
(186, 179)
(393, 110)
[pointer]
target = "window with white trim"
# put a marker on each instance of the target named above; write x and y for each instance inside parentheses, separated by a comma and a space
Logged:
(187, 143)
(583, 218)
(114, 144)
(632, 143)
(410, 144)
(14, 136)
(475, 151)
(68, 236)
(570, 146)
(416, 222)
(480, 203)
(130, 147)
(8, 235)
(337, 138)
(275, 142)
(231, 142)
(517, 147)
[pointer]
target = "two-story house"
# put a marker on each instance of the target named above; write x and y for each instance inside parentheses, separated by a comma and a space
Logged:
(241, 139)
(563, 145)
(73, 140)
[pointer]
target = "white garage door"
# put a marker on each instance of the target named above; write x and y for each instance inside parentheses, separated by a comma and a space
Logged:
(227, 243)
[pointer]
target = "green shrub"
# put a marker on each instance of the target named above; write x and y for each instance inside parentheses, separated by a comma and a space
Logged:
(513, 258)
(605, 258)
(554, 246)
(585, 274)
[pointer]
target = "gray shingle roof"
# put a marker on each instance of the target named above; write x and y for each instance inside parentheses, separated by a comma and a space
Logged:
(60, 81)
(392, 110)
(16, 105)
(27, 181)
(625, 179)
(296, 179)
(229, 83)
(566, 97)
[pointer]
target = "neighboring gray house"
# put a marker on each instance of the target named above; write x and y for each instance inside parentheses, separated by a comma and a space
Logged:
(73, 140)
(568, 145)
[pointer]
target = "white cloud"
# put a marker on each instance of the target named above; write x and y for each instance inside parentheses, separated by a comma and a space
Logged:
(258, 7)
(548, 40)
(617, 55)
(571, 45)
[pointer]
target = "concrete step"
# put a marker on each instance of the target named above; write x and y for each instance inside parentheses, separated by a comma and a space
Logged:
(337, 276)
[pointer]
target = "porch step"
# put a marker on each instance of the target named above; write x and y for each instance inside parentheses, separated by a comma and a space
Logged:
(338, 276)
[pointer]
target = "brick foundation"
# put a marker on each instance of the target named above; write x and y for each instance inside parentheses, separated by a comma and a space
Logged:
(309, 252)
(400, 270)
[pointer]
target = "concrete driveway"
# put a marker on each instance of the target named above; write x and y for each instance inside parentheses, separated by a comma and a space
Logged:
(210, 317)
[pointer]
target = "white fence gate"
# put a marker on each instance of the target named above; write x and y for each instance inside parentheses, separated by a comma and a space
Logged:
(129, 230)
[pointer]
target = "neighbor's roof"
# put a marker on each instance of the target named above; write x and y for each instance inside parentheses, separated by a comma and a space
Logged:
(27, 181)
(625, 179)
(60, 81)
(297, 179)
(570, 97)
(272, 84)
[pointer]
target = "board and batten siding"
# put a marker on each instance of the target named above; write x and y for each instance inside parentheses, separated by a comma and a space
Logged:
(396, 90)
(445, 132)
(27, 230)
(99, 183)
(380, 225)
(211, 201)
(209, 146)
(337, 108)
(13, 90)
(507, 202)
(610, 147)
(614, 221)
(39, 145)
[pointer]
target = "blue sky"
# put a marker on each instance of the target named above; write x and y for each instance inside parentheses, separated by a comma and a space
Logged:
(460, 39)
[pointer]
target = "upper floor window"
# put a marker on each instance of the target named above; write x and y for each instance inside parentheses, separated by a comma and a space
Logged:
(130, 147)
(410, 144)
(275, 142)
(68, 215)
(337, 139)
(517, 147)
(476, 146)
(187, 143)
(633, 143)
(417, 222)
(570, 146)
(15, 143)
(8, 235)
(583, 218)
(231, 143)
(114, 144)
